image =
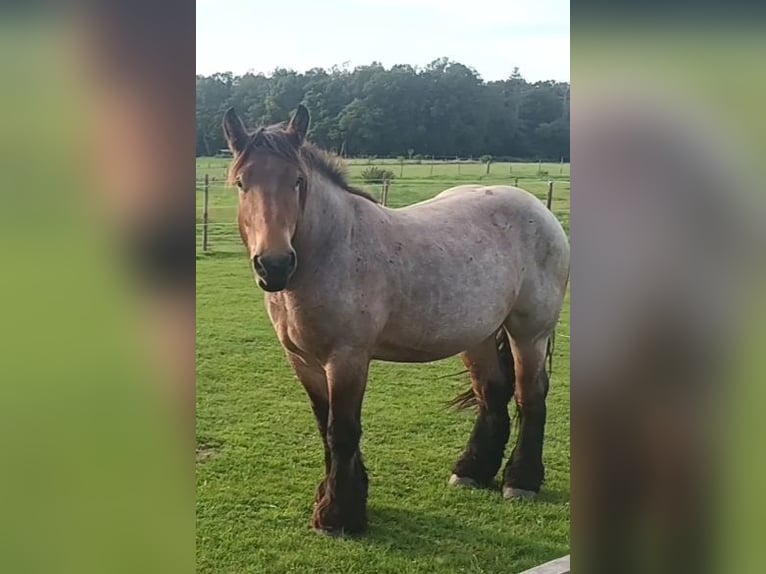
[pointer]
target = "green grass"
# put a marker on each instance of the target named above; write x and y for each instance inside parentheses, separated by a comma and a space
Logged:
(260, 455)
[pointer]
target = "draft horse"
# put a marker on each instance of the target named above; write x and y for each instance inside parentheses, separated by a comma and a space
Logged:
(479, 271)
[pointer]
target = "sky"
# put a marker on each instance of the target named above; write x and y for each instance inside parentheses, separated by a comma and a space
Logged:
(491, 36)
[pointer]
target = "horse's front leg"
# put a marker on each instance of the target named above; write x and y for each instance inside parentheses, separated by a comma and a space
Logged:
(342, 507)
(314, 381)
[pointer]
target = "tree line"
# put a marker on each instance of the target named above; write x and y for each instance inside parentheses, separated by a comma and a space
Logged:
(444, 110)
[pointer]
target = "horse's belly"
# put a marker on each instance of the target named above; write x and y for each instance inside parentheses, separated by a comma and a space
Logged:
(432, 322)
(402, 353)
(405, 354)
(419, 342)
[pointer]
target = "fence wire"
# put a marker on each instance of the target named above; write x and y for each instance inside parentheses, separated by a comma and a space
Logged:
(222, 228)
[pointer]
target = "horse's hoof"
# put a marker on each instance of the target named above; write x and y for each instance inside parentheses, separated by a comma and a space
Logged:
(329, 532)
(463, 481)
(510, 493)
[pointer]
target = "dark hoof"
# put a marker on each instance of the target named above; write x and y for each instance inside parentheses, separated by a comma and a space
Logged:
(338, 531)
(342, 510)
(330, 532)
(332, 520)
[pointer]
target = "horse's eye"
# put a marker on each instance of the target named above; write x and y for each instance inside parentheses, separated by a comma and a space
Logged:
(298, 183)
(239, 183)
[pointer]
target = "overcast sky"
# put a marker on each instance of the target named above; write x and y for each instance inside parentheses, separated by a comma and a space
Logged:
(492, 36)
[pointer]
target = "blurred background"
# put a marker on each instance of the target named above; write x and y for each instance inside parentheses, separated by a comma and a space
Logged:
(97, 287)
(667, 276)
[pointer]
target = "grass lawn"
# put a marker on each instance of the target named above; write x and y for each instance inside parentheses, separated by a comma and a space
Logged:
(260, 456)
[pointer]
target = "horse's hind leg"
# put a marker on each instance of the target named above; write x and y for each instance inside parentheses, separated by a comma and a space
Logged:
(524, 472)
(491, 367)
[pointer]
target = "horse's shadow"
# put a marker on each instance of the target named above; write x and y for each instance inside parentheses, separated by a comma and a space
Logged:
(553, 496)
(415, 533)
(544, 496)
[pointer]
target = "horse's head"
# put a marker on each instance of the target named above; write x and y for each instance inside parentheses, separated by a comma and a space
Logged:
(271, 177)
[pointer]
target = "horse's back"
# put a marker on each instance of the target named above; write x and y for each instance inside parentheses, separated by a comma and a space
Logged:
(477, 198)
(503, 209)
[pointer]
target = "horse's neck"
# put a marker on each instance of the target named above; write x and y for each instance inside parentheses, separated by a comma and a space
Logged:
(327, 217)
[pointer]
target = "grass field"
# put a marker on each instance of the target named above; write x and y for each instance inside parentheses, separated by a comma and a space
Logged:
(259, 455)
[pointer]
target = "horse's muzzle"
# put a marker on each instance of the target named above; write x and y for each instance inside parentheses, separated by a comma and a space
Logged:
(273, 271)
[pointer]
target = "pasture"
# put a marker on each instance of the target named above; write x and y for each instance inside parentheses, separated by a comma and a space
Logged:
(259, 455)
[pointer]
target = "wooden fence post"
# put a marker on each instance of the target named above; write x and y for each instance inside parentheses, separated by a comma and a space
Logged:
(205, 214)
(552, 339)
(384, 192)
(539, 167)
(561, 165)
(516, 182)
(550, 194)
(432, 167)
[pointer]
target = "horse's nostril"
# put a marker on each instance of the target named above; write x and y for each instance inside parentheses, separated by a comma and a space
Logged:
(292, 259)
(258, 266)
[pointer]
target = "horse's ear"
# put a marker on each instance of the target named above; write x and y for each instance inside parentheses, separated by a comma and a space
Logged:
(299, 123)
(235, 132)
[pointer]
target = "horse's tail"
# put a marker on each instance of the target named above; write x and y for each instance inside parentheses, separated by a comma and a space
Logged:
(465, 400)
(549, 349)
(468, 399)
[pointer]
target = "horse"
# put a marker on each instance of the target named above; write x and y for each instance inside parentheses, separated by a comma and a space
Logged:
(479, 271)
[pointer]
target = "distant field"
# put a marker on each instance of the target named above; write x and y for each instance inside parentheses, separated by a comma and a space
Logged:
(260, 456)
(416, 184)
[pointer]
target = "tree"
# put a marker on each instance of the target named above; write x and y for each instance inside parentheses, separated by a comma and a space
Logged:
(444, 109)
